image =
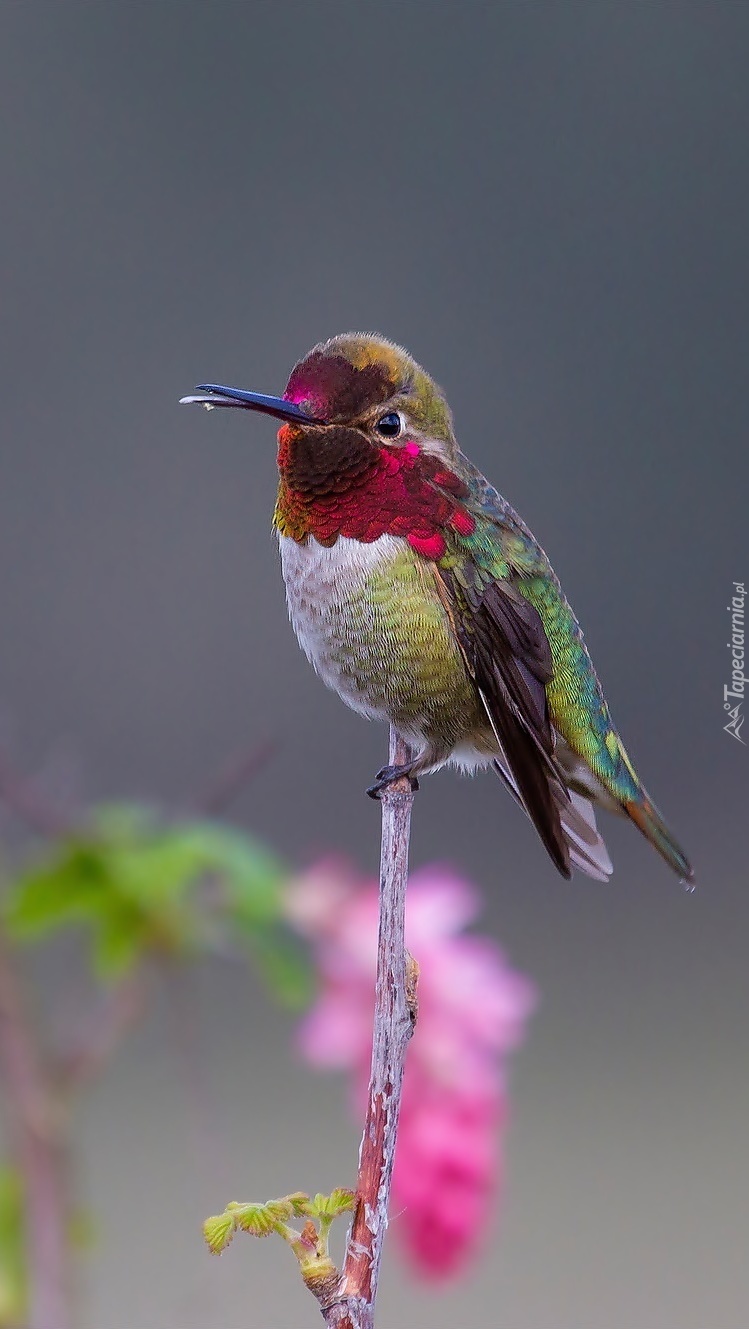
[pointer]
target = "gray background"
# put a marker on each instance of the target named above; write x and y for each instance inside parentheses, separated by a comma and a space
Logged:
(547, 203)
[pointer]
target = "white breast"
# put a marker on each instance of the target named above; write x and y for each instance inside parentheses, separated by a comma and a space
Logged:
(330, 611)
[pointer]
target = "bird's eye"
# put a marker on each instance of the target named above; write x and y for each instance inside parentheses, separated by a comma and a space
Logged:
(390, 425)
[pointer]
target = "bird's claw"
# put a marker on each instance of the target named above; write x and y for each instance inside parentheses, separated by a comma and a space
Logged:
(388, 775)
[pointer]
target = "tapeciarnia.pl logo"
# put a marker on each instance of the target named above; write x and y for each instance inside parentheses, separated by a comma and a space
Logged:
(734, 692)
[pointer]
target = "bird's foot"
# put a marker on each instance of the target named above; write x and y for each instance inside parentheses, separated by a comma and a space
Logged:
(387, 775)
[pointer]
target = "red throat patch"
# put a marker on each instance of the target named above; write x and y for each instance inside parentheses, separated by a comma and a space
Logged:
(374, 492)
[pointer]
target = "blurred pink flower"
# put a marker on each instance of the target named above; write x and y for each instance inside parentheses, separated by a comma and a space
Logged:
(472, 1013)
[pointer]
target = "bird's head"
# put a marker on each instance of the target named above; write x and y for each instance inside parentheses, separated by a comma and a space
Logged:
(356, 389)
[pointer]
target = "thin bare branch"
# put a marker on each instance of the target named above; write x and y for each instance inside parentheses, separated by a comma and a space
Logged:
(395, 1013)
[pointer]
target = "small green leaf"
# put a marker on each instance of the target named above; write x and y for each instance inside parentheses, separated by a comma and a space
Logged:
(70, 887)
(301, 1204)
(340, 1201)
(219, 1232)
(255, 1219)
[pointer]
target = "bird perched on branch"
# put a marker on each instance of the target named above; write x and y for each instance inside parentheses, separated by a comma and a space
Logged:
(423, 599)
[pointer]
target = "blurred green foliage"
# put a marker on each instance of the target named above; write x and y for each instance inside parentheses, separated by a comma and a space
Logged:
(13, 1290)
(141, 887)
(143, 890)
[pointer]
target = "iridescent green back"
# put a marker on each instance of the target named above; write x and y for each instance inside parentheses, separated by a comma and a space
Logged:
(502, 547)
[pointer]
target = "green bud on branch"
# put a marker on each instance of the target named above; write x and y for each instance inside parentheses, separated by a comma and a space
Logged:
(310, 1245)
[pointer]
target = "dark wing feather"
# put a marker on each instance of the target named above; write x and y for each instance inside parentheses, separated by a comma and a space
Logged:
(508, 653)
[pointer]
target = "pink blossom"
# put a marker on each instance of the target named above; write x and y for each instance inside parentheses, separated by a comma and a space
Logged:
(472, 1013)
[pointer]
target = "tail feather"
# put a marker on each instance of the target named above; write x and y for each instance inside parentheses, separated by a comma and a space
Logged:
(648, 820)
(587, 848)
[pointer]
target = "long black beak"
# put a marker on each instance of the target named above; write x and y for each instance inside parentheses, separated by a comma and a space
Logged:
(213, 394)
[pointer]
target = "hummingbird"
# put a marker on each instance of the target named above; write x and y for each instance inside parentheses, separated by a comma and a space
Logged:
(421, 597)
